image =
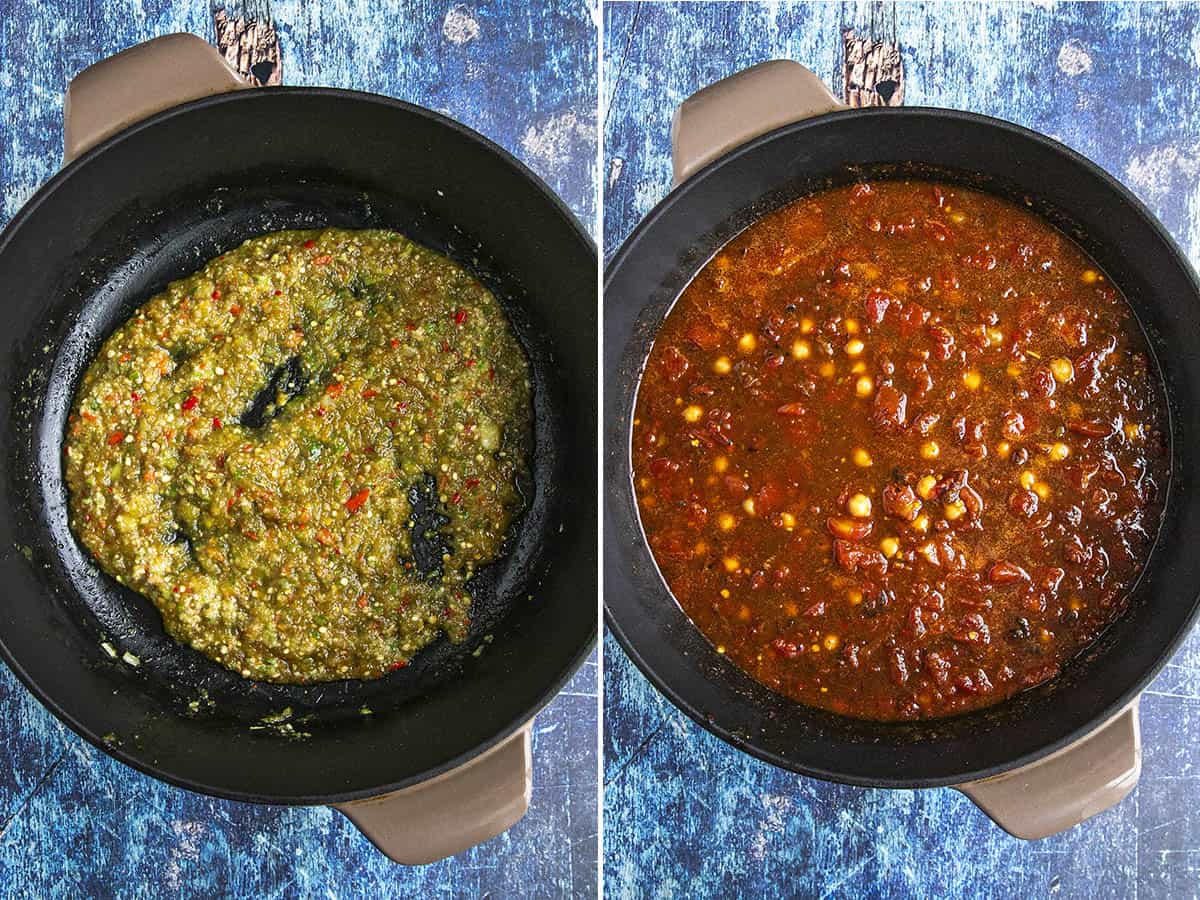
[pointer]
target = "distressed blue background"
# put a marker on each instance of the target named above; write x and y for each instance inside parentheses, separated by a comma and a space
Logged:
(76, 823)
(686, 815)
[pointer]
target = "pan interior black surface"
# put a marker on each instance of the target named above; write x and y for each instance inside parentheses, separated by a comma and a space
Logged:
(156, 203)
(675, 241)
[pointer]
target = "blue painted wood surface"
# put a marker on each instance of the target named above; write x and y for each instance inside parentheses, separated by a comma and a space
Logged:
(72, 821)
(686, 815)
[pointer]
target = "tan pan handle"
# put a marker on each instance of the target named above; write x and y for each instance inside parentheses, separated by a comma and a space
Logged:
(135, 83)
(452, 812)
(736, 109)
(1067, 787)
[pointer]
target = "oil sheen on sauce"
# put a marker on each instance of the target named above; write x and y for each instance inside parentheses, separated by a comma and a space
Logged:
(899, 450)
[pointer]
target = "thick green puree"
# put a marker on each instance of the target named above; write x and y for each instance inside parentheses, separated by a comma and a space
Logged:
(250, 449)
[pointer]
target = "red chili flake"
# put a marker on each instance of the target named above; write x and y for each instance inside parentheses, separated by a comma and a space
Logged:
(134, 396)
(395, 342)
(369, 393)
(320, 411)
(250, 535)
(491, 373)
(116, 437)
(216, 294)
(235, 310)
(470, 483)
(456, 499)
(279, 293)
(216, 424)
(445, 346)
(460, 317)
(399, 664)
(322, 260)
(310, 244)
(335, 389)
(189, 403)
(358, 499)
(411, 326)
(470, 363)
(362, 601)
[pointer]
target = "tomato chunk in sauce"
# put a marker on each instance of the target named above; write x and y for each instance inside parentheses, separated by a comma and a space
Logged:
(899, 450)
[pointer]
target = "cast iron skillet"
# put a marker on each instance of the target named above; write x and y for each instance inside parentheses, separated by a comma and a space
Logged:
(706, 211)
(152, 204)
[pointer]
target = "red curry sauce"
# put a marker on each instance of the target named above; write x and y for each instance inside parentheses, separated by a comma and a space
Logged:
(899, 450)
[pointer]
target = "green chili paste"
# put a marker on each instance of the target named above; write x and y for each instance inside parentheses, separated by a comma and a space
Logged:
(303, 452)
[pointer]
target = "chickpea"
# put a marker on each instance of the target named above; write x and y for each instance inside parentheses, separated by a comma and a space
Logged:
(1090, 276)
(890, 547)
(731, 563)
(930, 450)
(854, 347)
(831, 642)
(1028, 479)
(864, 386)
(720, 464)
(862, 458)
(1003, 449)
(788, 520)
(827, 369)
(1133, 431)
(1059, 451)
(693, 413)
(722, 365)
(995, 336)
(801, 349)
(1042, 490)
(855, 597)
(921, 523)
(859, 506)
(851, 326)
(806, 326)
(747, 342)
(972, 379)
(1013, 369)
(748, 506)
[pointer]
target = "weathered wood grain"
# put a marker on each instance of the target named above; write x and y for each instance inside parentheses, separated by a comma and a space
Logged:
(872, 71)
(685, 814)
(73, 822)
(246, 37)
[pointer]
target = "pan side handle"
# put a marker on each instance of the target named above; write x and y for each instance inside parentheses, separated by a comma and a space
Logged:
(1067, 787)
(453, 811)
(147, 78)
(736, 109)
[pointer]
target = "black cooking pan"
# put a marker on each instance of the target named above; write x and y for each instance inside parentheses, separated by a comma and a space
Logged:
(151, 203)
(1056, 754)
